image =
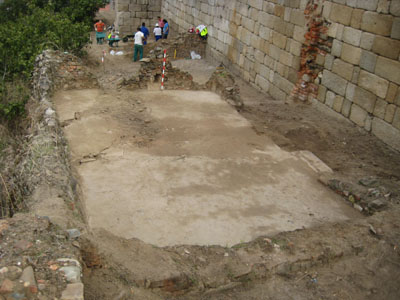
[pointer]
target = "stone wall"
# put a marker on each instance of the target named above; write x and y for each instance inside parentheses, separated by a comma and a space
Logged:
(353, 66)
(132, 13)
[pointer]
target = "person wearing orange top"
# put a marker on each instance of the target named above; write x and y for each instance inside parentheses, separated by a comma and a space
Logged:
(100, 27)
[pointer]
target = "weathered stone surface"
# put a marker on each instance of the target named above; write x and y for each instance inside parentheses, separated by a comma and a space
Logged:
(395, 8)
(367, 40)
(389, 113)
(392, 91)
(346, 108)
(279, 40)
(352, 36)
(334, 82)
(396, 118)
(262, 83)
(343, 69)
(338, 103)
(368, 4)
(373, 83)
(395, 34)
(386, 47)
(364, 99)
(321, 93)
(336, 48)
(380, 108)
(368, 60)
(388, 69)
(341, 14)
(377, 23)
(356, 18)
(358, 115)
(74, 291)
(351, 54)
(297, 17)
(386, 133)
(330, 98)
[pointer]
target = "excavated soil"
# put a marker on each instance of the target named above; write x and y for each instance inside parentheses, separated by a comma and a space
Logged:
(149, 160)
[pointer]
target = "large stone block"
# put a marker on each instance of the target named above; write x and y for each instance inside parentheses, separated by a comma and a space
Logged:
(367, 40)
(395, 34)
(380, 108)
(343, 69)
(279, 40)
(377, 23)
(286, 58)
(256, 3)
(351, 54)
(389, 113)
(299, 33)
(352, 36)
(346, 108)
(338, 103)
(386, 47)
(262, 83)
(336, 48)
(368, 4)
(368, 61)
(297, 17)
(295, 48)
(396, 118)
(388, 69)
(330, 99)
(392, 91)
(395, 8)
(386, 133)
(341, 14)
(356, 18)
(364, 99)
(358, 115)
(248, 24)
(334, 82)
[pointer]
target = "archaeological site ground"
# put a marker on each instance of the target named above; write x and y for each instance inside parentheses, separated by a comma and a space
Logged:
(267, 169)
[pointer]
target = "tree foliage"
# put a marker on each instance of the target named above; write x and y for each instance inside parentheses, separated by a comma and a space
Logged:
(27, 27)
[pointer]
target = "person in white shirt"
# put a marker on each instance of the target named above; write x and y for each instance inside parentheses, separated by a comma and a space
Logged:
(139, 38)
(157, 32)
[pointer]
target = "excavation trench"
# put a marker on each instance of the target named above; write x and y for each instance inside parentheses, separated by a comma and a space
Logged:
(184, 167)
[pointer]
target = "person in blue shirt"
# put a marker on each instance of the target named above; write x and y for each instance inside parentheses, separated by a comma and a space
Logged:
(166, 29)
(145, 31)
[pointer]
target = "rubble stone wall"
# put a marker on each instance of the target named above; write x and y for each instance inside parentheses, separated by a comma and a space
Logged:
(132, 13)
(267, 43)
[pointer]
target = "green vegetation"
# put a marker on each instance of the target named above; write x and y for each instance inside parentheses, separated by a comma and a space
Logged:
(27, 27)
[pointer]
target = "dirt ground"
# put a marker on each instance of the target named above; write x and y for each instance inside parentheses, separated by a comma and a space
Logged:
(358, 258)
(355, 259)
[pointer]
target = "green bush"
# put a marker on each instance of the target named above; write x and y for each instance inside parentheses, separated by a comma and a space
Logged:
(27, 27)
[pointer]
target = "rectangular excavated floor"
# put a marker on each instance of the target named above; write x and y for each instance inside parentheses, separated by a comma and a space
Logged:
(183, 167)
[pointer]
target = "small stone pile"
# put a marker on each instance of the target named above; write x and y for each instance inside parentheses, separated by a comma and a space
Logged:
(38, 260)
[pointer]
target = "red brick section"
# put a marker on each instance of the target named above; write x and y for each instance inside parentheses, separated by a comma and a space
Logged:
(316, 42)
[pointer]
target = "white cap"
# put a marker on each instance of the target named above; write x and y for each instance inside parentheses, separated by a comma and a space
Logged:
(157, 25)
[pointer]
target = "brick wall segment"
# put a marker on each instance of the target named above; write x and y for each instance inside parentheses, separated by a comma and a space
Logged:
(389, 113)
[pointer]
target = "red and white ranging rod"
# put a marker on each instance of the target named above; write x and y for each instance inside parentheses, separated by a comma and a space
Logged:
(163, 69)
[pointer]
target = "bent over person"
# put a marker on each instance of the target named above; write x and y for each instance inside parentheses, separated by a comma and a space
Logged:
(139, 38)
